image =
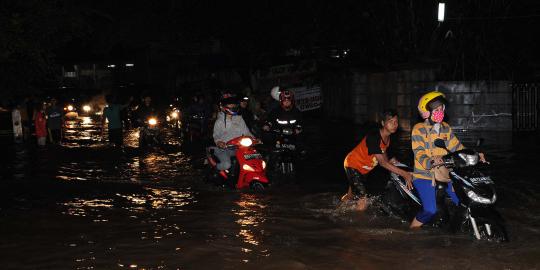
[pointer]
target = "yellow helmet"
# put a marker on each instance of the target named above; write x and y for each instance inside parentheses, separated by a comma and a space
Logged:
(426, 99)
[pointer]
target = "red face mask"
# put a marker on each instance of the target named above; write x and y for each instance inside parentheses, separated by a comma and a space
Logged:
(437, 116)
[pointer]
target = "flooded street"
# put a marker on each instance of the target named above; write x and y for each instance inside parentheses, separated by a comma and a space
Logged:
(87, 205)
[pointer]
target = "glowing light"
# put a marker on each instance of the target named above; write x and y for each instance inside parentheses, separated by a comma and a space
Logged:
(264, 164)
(246, 142)
(87, 120)
(152, 121)
(440, 16)
(70, 108)
(174, 115)
(87, 108)
(248, 168)
(130, 65)
(111, 66)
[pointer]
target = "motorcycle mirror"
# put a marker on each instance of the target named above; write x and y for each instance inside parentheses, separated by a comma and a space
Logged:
(440, 143)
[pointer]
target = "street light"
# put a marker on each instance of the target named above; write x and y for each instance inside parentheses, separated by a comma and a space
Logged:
(440, 16)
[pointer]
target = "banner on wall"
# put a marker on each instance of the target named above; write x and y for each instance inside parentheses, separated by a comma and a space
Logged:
(307, 98)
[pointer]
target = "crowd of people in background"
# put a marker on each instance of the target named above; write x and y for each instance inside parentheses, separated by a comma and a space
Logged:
(33, 118)
(42, 120)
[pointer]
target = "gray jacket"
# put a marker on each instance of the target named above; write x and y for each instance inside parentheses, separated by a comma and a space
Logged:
(227, 128)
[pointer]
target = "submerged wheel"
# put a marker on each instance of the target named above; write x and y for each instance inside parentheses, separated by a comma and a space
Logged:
(257, 186)
(494, 231)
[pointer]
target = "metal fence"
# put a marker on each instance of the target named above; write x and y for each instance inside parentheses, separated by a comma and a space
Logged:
(525, 107)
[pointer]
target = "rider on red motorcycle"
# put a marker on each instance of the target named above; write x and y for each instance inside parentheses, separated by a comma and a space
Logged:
(228, 125)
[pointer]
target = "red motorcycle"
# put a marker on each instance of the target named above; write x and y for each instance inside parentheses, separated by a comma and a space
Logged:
(247, 167)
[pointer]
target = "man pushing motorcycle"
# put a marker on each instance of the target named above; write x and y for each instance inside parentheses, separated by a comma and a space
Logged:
(370, 152)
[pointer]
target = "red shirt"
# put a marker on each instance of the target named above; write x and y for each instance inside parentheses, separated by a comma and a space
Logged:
(362, 157)
(41, 125)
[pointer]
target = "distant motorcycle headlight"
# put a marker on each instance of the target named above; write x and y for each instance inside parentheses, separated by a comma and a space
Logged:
(248, 168)
(87, 108)
(282, 122)
(246, 142)
(152, 121)
(70, 108)
(470, 160)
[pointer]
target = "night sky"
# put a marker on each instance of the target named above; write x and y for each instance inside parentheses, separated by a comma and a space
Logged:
(487, 39)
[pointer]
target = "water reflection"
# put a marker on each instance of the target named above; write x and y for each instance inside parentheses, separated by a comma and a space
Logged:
(103, 220)
(82, 207)
(250, 216)
(150, 199)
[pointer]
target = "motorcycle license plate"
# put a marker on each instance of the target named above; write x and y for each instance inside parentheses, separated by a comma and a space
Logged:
(253, 156)
(481, 180)
(286, 146)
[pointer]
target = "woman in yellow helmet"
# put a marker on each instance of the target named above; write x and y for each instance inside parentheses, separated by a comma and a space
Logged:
(431, 107)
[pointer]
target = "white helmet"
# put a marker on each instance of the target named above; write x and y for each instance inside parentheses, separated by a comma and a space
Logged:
(275, 93)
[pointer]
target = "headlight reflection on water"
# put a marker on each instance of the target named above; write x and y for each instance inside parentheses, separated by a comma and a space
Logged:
(249, 217)
(86, 120)
(153, 199)
(85, 207)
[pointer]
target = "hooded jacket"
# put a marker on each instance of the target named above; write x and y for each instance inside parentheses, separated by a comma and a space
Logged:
(227, 128)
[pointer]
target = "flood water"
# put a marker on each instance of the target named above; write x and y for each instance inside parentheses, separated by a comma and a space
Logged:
(87, 205)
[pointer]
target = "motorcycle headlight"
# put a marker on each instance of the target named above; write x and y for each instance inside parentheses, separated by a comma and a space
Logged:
(246, 142)
(70, 108)
(248, 168)
(174, 115)
(152, 121)
(87, 108)
(480, 199)
(469, 159)
(282, 122)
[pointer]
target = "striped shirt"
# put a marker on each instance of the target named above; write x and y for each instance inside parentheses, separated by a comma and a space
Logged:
(421, 146)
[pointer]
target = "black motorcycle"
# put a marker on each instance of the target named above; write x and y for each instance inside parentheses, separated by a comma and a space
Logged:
(150, 132)
(474, 187)
(174, 116)
(283, 153)
(196, 127)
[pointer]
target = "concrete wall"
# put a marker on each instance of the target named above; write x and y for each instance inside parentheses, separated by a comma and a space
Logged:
(477, 108)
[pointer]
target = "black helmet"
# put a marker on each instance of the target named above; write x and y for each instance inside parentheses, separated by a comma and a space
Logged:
(228, 98)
